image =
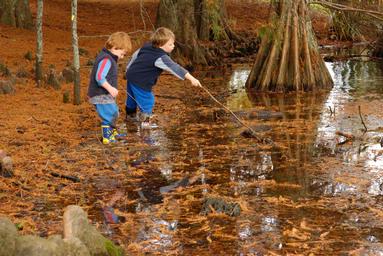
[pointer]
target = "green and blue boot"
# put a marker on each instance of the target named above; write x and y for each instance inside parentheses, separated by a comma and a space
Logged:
(107, 134)
(118, 135)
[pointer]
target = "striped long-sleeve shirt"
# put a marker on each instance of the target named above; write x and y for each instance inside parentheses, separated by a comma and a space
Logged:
(104, 69)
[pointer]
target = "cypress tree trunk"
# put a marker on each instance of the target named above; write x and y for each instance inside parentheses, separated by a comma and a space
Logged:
(39, 43)
(76, 56)
(16, 13)
(288, 58)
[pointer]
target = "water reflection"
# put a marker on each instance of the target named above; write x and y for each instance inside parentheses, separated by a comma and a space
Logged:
(239, 98)
(251, 168)
(269, 224)
(307, 176)
(354, 82)
(307, 131)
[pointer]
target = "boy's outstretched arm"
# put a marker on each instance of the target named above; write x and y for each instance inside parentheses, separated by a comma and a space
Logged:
(166, 63)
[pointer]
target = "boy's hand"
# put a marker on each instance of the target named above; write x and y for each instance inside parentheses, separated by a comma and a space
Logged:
(195, 82)
(113, 91)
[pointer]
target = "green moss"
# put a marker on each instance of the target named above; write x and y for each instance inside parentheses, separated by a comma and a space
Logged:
(266, 31)
(113, 250)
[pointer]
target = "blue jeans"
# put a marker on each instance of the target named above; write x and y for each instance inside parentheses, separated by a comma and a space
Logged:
(108, 113)
(142, 99)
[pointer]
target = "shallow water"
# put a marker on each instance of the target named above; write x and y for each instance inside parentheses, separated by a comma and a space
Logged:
(307, 194)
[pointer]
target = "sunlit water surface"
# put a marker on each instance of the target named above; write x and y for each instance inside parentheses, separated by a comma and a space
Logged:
(308, 193)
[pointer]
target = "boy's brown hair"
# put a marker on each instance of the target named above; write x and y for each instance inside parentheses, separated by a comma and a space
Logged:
(161, 36)
(119, 40)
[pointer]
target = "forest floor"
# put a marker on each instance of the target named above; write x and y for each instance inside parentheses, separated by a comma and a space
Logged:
(44, 135)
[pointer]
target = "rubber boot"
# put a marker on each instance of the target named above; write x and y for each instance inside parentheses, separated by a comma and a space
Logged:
(107, 134)
(131, 115)
(118, 135)
(145, 121)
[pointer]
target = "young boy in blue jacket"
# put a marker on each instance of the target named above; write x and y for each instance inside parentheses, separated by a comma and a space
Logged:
(143, 70)
(102, 90)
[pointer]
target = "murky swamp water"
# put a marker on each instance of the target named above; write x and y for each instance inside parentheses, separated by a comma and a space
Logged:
(310, 193)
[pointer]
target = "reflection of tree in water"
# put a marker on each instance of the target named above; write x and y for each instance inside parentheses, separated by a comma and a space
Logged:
(358, 77)
(356, 82)
(295, 133)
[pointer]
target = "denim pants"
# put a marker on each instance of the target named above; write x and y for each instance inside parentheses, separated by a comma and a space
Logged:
(137, 97)
(108, 113)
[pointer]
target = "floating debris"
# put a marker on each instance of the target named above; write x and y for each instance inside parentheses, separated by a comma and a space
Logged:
(219, 205)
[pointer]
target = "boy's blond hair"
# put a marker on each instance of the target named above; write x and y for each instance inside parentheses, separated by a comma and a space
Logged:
(161, 36)
(120, 41)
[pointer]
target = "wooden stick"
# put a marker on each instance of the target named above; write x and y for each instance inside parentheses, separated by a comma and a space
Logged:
(361, 119)
(72, 178)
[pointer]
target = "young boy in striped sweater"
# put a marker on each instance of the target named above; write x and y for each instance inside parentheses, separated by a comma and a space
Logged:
(102, 90)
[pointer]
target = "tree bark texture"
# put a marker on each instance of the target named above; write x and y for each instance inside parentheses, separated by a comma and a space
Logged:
(288, 58)
(39, 43)
(212, 21)
(192, 21)
(16, 13)
(76, 56)
(179, 16)
(378, 47)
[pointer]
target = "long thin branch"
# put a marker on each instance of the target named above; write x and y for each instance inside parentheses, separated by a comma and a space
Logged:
(345, 8)
(361, 119)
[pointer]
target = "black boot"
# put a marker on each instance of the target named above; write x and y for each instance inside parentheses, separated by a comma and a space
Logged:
(131, 115)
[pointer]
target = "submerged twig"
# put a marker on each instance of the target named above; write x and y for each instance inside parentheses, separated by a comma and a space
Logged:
(361, 119)
(68, 177)
(332, 112)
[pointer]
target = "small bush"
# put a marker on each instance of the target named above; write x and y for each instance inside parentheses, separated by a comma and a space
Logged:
(83, 52)
(4, 70)
(28, 55)
(66, 97)
(22, 73)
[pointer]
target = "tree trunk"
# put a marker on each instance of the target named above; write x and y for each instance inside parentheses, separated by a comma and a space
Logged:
(212, 21)
(179, 16)
(76, 56)
(288, 58)
(16, 13)
(192, 21)
(39, 43)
